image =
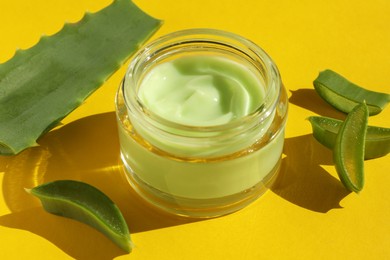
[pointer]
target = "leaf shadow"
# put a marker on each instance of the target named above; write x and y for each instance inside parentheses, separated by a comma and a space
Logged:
(310, 100)
(74, 238)
(86, 150)
(302, 181)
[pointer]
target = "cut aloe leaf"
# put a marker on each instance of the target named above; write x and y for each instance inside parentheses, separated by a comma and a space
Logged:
(345, 95)
(348, 151)
(325, 131)
(83, 202)
(41, 85)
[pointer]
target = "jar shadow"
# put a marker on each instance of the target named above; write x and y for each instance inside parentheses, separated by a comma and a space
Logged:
(86, 150)
(303, 181)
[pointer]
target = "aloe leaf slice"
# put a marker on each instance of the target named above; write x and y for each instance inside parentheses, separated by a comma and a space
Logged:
(85, 203)
(41, 85)
(345, 95)
(348, 152)
(325, 131)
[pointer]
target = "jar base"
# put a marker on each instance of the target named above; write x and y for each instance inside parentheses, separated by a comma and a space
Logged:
(199, 208)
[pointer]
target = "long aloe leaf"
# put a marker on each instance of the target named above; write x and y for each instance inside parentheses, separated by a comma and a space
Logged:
(41, 85)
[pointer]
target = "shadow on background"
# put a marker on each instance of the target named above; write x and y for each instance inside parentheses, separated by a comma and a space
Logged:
(85, 150)
(88, 150)
(310, 100)
(303, 181)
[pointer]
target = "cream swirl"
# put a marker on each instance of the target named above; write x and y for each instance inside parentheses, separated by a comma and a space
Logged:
(201, 90)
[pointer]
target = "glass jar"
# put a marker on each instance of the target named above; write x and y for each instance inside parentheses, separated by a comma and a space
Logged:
(194, 169)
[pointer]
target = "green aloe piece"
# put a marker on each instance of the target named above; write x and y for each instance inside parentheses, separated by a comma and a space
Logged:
(41, 85)
(325, 131)
(348, 151)
(345, 95)
(85, 203)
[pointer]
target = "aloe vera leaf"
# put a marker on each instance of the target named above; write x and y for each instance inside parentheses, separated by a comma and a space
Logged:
(41, 85)
(348, 151)
(325, 131)
(345, 95)
(85, 203)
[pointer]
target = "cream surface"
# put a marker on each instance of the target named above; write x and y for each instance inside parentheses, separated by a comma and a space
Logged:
(201, 90)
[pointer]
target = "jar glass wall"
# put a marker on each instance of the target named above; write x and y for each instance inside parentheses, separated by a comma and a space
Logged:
(201, 116)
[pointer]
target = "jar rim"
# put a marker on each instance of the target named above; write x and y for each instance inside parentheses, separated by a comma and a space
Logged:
(215, 36)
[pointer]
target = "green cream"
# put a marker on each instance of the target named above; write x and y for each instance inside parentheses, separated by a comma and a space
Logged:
(201, 90)
(201, 180)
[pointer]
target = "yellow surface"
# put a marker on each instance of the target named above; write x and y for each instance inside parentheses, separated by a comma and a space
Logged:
(308, 215)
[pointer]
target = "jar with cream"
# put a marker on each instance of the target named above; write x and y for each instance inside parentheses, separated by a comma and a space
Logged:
(201, 117)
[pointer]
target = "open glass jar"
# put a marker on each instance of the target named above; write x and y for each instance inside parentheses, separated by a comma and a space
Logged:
(201, 116)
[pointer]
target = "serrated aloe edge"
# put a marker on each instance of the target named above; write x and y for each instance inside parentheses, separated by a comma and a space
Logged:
(41, 85)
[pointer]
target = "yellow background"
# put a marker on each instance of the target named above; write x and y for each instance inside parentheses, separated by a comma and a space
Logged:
(307, 215)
